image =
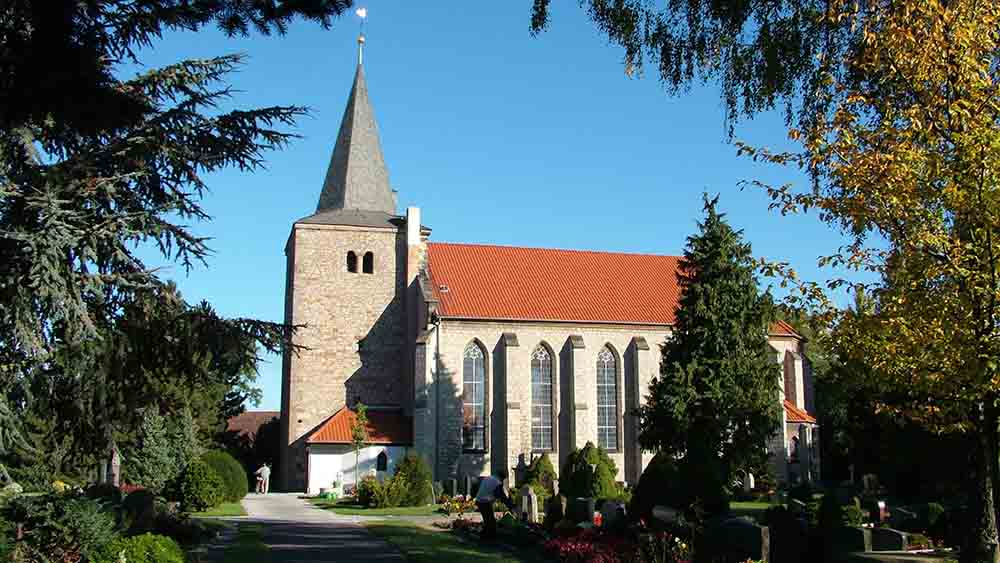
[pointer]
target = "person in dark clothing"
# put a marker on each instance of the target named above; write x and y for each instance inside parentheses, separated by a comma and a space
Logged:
(490, 490)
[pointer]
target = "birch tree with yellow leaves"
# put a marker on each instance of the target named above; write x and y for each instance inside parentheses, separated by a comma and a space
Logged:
(896, 110)
(907, 164)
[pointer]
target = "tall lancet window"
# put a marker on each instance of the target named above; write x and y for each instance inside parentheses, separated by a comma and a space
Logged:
(607, 400)
(541, 400)
(474, 399)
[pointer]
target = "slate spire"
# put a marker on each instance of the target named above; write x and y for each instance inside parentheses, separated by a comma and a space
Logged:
(357, 178)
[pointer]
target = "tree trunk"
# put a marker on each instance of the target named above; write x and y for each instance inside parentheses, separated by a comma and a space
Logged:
(981, 543)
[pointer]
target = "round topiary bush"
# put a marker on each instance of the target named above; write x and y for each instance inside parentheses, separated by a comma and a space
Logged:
(146, 548)
(201, 487)
(140, 506)
(232, 473)
(589, 473)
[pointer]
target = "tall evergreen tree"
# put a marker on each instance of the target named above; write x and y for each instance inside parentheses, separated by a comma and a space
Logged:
(714, 403)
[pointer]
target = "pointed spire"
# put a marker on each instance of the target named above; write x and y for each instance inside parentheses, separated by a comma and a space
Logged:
(357, 178)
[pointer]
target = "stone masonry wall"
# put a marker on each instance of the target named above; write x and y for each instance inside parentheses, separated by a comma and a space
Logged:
(456, 334)
(355, 328)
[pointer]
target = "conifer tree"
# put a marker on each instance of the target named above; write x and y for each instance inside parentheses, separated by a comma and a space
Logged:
(715, 402)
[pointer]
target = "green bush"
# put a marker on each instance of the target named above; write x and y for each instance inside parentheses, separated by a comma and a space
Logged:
(232, 473)
(540, 476)
(147, 548)
(201, 487)
(831, 514)
(60, 527)
(367, 491)
(579, 480)
(679, 484)
(415, 477)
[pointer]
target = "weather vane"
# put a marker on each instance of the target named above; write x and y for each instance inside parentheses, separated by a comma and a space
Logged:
(363, 14)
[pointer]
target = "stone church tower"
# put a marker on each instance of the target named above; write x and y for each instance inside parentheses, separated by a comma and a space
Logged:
(348, 270)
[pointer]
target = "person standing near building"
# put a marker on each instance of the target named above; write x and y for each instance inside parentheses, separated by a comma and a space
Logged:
(490, 490)
(263, 478)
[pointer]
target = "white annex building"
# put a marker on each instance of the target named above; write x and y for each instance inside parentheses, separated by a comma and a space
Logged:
(478, 357)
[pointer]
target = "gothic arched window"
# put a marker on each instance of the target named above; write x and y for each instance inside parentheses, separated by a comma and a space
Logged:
(607, 400)
(368, 263)
(474, 398)
(352, 262)
(541, 400)
(382, 462)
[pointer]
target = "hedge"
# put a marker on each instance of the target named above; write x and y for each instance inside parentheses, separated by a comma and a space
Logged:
(233, 475)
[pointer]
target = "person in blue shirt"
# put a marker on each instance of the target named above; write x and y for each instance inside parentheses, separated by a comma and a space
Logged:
(491, 490)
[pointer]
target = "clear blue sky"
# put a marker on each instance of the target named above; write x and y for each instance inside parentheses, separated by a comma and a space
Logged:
(499, 137)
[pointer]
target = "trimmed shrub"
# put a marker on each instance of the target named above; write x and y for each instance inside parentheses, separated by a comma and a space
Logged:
(579, 480)
(60, 527)
(367, 491)
(232, 473)
(415, 477)
(540, 476)
(679, 484)
(201, 487)
(147, 548)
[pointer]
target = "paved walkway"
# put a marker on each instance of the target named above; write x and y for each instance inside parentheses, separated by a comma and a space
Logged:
(297, 532)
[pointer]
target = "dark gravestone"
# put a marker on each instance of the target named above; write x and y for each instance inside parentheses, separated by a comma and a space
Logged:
(789, 537)
(887, 539)
(736, 539)
(555, 510)
(580, 510)
(848, 539)
(438, 490)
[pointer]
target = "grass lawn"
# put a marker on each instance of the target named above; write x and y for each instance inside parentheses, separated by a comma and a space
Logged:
(752, 509)
(349, 508)
(248, 546)
(421, 545)
(224, 509)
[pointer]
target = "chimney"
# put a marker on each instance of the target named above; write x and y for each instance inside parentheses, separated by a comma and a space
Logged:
(413, 244)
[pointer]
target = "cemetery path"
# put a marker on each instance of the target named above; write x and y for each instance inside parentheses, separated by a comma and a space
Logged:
(298, 532)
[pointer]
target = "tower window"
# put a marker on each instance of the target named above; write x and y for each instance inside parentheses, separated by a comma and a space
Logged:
(352, 262)
(382, 462)
(368, 263)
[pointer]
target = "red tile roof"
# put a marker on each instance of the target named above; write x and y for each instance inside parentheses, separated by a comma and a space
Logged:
(474, 281)
(781, 328)
(795, 414)
(249, 422)
(384, 427)
(514, 283)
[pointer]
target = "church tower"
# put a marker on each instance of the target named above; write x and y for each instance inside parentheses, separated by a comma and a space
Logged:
(346, 281)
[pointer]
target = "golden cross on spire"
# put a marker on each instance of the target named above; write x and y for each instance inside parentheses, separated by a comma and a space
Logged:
(363, 14)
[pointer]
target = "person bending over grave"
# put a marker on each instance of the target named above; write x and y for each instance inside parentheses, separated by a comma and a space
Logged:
(490, 490)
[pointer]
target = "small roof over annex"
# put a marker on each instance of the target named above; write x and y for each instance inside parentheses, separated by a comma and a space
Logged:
(796, 415)
(387, 427)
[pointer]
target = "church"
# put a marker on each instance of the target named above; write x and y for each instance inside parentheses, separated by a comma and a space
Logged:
(477, 357)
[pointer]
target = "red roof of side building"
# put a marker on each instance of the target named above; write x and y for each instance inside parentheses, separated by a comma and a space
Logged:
(384, 427)
(795, 414)
(474, 281)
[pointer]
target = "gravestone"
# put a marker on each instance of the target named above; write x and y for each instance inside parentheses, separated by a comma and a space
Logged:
(849, 539)
(613, 514)
(580, 509)
(555, 510)
(555, 487)
(869, 481)
(529, 504)
(438, 490)
(749, 483)
(887, 539)
(665, 514)
(116, 467)
(736, 539)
